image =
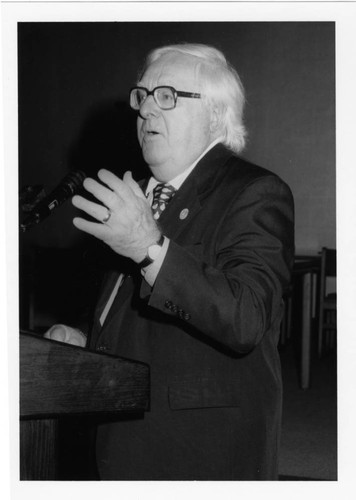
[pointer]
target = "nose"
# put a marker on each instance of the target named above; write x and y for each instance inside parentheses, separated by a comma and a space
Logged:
(149, 107)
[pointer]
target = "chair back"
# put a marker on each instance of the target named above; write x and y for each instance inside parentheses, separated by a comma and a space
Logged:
(328, 262)
(327, 301)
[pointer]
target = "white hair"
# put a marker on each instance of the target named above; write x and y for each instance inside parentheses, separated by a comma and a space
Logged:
(221, 88)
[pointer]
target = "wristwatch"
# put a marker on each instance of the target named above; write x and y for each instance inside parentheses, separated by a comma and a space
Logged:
(152, 253)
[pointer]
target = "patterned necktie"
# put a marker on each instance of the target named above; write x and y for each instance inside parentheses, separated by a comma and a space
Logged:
(162, 194)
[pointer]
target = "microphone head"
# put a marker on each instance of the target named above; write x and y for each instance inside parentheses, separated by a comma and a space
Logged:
(73, 181)
(70, 185)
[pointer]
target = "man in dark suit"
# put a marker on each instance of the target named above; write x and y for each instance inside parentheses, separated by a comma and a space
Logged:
(204, 252)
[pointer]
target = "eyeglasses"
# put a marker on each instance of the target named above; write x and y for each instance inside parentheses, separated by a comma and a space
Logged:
(165, 97)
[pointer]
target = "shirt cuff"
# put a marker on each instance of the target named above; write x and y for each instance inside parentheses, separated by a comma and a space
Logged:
(150, 272)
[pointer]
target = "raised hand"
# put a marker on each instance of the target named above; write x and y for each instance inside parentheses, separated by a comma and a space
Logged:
(124, 214)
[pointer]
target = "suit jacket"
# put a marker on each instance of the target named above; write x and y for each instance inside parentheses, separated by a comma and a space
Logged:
(209, 330)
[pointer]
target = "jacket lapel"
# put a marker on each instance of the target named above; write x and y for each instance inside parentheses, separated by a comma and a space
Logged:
(180, 211)
(188, 200)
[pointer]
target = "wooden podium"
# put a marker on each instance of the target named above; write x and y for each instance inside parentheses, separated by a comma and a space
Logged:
(58, 379)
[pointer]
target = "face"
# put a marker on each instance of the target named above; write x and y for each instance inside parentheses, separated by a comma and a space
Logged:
(171, 140)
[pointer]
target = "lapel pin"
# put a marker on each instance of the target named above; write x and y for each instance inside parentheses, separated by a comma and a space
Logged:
(184, 213)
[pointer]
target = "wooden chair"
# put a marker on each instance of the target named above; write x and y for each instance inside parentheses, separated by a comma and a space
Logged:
(327, 303)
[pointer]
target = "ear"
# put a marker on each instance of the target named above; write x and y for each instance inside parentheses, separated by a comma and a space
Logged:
(214, 120)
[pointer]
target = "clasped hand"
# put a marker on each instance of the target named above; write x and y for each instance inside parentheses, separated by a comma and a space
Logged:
(131, 227)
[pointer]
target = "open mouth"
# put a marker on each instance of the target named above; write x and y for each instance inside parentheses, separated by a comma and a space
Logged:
(151, 134)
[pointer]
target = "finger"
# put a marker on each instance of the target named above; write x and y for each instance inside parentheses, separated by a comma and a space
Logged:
(102, 193)
(100, 231)
(58, 335)
(129, 181)
(116, 184)
(56, 332)
(93, 209)
(76, 341)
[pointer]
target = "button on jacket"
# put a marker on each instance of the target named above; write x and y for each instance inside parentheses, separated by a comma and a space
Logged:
(209, 330)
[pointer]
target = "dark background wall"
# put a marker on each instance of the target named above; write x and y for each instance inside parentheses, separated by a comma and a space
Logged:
(73, 85)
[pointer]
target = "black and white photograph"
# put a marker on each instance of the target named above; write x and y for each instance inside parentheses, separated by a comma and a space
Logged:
(177, 247)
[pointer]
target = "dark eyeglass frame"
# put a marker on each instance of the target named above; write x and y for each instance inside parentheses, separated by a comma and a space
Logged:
(176, 94)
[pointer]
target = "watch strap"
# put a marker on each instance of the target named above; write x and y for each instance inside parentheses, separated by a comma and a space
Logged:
(147, 260)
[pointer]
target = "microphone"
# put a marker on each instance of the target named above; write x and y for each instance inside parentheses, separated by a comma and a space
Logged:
(70, 185)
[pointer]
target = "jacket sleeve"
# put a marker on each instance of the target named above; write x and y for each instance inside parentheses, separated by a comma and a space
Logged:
(230, 289)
